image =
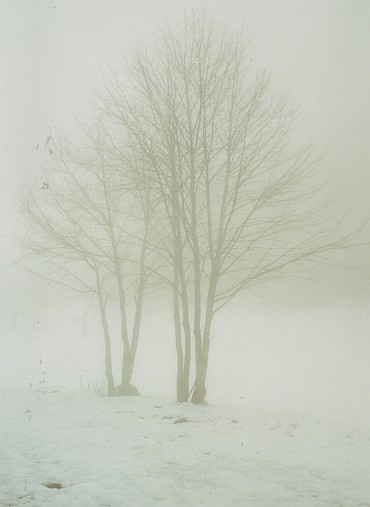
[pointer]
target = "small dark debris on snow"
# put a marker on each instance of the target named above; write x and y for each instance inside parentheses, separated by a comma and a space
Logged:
(167, 417)
(234, 421)
(181, 420)
(157, 406)
(28, 411)
(53, 485)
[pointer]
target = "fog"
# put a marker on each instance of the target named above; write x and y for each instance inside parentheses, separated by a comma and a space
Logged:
(298, 345)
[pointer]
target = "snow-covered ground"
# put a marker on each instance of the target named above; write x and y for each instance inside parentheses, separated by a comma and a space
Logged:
(122, 452)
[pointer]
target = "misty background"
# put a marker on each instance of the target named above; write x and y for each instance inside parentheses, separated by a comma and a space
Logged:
(298, 345)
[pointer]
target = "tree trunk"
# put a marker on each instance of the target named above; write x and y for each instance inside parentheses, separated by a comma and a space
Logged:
(129, 355)
(187, 339)
(107, 345)
(128, 362)
(200, 390)
(182, 377)
(119, 277)
(182, 388)
(180, 292)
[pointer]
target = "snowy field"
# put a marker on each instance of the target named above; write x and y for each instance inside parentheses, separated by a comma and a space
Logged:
(76, 449)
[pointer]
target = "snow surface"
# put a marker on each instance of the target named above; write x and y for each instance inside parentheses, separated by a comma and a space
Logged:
(114, 452)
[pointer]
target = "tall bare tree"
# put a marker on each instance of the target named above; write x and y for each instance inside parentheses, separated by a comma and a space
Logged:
(237, 203)
(92, 228)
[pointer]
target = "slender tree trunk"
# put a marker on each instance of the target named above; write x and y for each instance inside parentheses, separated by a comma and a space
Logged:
(129, 359)
(126, 359)
(182, 294)
(107, 349)
(200, 391)
(183, 353)
(187, 338)
(179, 290)
(182, 390)
(197, 312)
(194, 133)
(129, 355)
(107, 344)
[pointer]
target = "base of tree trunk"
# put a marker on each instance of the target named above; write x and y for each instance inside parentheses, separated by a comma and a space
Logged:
(182, 394)
(199, 395)
(111, 391)
(127, 390)
(182, 398)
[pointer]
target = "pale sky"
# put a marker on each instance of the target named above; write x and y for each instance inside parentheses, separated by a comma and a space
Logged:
(53, 54)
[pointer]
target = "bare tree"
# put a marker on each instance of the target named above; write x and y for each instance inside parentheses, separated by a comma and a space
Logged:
(237, 204)
(92, 230)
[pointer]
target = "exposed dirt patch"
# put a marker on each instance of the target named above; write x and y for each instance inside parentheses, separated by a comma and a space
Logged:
(53, 485)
